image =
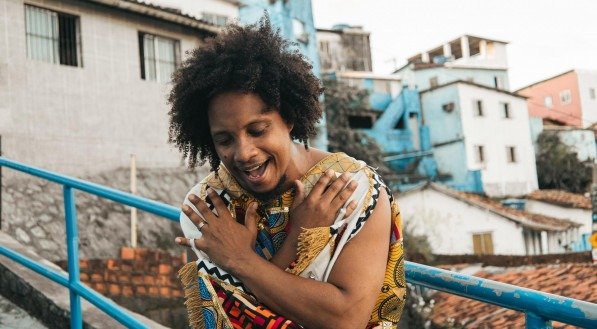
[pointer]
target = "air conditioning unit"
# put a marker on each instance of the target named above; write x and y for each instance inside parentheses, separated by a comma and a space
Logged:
(448, 107)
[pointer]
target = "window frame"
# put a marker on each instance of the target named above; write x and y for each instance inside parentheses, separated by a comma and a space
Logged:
(506, 110)
(486, 245)
(511, 154)
(478, 108)
(62, 44)
(480, 157)
(564, 93)
(550, 105)
(156, 60)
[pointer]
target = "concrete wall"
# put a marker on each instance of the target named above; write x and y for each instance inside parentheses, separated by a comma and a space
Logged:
(81, 120)
(450, 224)
(587, 80)
(496, 133)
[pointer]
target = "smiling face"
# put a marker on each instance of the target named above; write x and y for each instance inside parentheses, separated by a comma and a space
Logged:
(251, 140)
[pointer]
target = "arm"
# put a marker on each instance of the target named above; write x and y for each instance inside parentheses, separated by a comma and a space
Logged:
(346, 300)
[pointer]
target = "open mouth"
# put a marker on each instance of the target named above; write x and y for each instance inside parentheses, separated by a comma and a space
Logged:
(256, 173)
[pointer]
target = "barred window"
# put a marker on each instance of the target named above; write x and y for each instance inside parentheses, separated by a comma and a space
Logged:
(159, 57)
(52, 36)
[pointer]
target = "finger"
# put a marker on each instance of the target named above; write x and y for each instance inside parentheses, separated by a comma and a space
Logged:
(251, 218)
(350, 208)
(187, 243)
(192, 215)
(321, 184)
(342, 196)
(334, 191)
(218, 203)
(202, 207)
(299, 195)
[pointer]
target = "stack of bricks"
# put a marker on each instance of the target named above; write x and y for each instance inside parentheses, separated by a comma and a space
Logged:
(139, 272)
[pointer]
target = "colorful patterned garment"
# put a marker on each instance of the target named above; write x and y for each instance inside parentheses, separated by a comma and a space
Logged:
(215, 299)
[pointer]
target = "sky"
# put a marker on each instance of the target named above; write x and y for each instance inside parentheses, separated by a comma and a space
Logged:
(545, 38)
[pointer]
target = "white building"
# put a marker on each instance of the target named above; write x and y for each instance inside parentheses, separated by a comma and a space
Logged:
(83, 84)
(564, 205)
(464, 223)
(475, 128)
(470, 58)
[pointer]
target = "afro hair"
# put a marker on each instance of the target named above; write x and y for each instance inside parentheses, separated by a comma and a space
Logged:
(247, 59)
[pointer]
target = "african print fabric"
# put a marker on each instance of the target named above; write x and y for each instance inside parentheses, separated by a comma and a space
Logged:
(216, 299)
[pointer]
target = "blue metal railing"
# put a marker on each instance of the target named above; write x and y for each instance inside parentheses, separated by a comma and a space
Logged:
(540, 308)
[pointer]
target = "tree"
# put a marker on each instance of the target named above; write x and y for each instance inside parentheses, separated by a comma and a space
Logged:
(341, 101)
(558, 166)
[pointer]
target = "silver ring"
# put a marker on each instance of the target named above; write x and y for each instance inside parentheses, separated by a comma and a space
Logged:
(201, 225)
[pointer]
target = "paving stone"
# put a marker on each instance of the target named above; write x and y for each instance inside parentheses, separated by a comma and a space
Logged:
(22, 236)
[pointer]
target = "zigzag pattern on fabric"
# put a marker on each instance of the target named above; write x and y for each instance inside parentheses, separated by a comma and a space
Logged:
(374, 197)
(215, 271)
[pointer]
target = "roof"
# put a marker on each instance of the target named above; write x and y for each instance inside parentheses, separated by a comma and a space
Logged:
(474, 85)
(526, 219)
(366, 75)
(570, 280)
(561, 198)
(171, 15)
(544, 80)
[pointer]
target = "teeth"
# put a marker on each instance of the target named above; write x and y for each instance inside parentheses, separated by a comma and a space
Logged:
(254, 168)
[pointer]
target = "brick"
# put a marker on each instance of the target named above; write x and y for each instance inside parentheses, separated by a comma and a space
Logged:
(153, 291)
(112, 277)
(127, 253)
(165, 292)
(84, 277)
(126, 268)
(124, 278)
(114, 289)
(127, 291)
(112, 264)
(149, 280)
(83, 264)
(177, 293)
(96, 277)
(140, 291)
(137, 280)
(100, 287)
(165, 269)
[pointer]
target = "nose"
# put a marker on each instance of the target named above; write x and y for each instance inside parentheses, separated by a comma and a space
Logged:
(245, 150)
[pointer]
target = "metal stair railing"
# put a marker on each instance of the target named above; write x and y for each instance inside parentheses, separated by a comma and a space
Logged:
(540, 308)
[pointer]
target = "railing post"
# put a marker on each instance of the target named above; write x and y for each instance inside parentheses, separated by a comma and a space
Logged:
(72, 248)
(533, 321)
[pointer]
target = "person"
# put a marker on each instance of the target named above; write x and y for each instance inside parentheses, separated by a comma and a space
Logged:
(286, 235)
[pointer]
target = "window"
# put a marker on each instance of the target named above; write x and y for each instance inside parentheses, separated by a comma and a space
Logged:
(360, 121)
(548, 101)
(506, 110)
(52, 36)
(478, 107)
(324, 47)
(592, 93)
(479, 154)
(159, 57)
(565, 97)
(511, 154)
(497, 82)
(433, 82)
(482, 244)
(449, 107)
(215, 19)
(298, 27)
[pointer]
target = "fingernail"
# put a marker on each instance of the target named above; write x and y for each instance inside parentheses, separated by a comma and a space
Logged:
(185, 207)
(192, 197)
(178, 240)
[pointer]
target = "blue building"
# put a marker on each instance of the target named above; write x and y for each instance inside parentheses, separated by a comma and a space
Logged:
(479, 131)
(295, 21)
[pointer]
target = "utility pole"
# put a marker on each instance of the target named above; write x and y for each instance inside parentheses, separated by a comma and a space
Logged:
(133, 209)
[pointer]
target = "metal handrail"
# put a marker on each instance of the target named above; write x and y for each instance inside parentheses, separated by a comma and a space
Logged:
(540, 308)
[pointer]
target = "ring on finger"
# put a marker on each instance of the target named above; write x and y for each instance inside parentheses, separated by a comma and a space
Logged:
(200, 225)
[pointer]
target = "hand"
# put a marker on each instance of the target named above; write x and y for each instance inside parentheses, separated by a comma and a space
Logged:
(323, 205)
(225, 241)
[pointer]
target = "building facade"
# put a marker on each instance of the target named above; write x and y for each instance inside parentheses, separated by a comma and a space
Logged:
(569, 98)
(481, 137)
(84, 83)
(344, 48)
(457, 223)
